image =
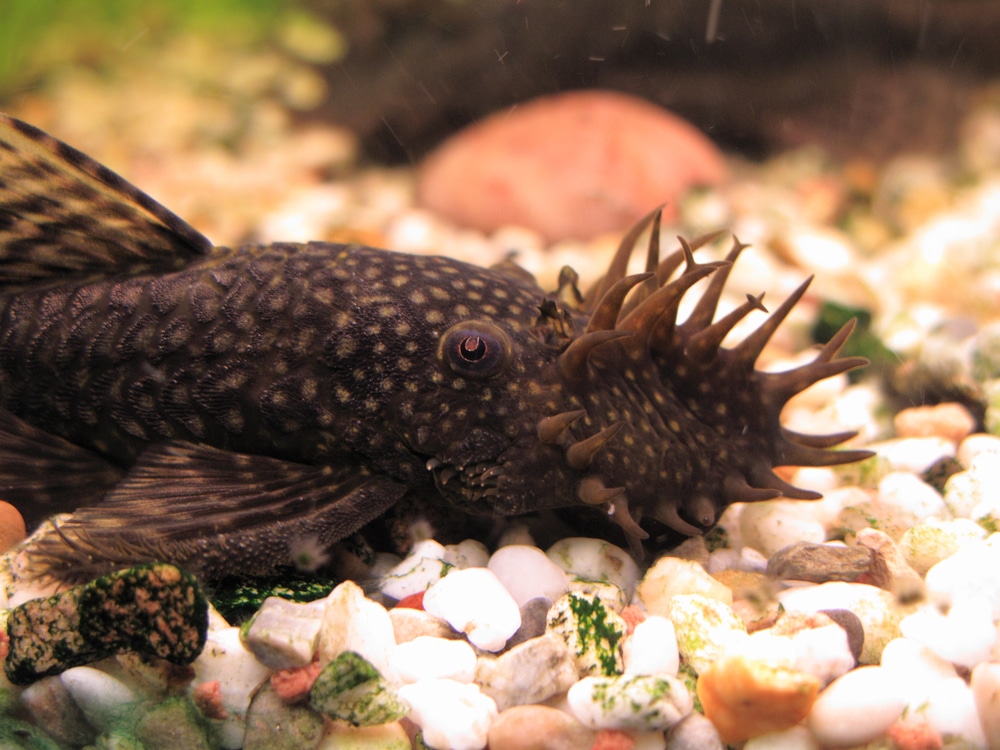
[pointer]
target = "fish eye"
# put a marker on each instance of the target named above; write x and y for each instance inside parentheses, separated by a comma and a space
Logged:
(475, 349)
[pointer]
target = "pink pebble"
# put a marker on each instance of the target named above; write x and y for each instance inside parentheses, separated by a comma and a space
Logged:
(572, 165)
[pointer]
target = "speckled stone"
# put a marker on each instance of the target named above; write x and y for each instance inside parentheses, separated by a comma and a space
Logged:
(155, 609)
(528, 673)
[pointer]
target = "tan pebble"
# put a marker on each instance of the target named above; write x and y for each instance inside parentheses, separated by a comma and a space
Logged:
(745, 699)
(753, 597)
(12, 529)
(951, 421)
(538, 728)
(573, 165)
(889, 569)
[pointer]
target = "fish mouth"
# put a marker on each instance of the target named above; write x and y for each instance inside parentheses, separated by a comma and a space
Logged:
(467, 485)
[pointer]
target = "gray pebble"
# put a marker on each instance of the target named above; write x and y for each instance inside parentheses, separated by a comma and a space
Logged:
(852, 626)
(533, 614)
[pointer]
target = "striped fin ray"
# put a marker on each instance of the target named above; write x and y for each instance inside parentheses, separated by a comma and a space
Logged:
(62, 214)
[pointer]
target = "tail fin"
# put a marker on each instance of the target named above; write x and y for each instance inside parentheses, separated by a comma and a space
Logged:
(62, 214)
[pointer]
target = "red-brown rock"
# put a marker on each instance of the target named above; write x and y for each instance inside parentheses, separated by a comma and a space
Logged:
(574, 165)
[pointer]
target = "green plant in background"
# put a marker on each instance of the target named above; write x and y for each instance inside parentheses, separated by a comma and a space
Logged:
(38, 37)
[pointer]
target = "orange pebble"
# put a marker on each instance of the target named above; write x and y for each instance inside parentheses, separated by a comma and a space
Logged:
(413, 601)
(745, 699)
(293, 685)
(613, 739)
(12, 529)
(632, 615)
(207, 696)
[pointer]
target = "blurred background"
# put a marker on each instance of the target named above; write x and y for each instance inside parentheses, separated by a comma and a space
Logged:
(869, 77)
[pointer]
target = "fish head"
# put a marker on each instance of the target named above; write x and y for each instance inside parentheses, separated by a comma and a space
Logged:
(610, 401)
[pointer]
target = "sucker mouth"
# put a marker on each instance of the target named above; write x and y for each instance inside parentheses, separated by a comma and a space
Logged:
(468, 483)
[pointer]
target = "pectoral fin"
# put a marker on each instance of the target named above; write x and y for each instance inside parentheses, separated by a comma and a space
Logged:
(213, 512)
(42, 474)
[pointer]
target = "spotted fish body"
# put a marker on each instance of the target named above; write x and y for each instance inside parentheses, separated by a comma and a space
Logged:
(211, 406)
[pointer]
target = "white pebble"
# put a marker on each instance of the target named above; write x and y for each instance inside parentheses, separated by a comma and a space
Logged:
(972, 571)
(951, 710)
(238, 671)
(985, 685)
(652, 648)
(914, 455)
(646, 702)
(470, 553)
(474, 602)
(874, 607)
(99, 696)
(352, 622)
(773, 524)
(424, 566)
(451, 715)
(528, 573)
(978, 484)
(902, 500)
(978, 444)
(965, 636)
(596, 560)
(427, 658)
(794, 738)
(916, 668)
(930, 542)
(856, 708)
(822, 652)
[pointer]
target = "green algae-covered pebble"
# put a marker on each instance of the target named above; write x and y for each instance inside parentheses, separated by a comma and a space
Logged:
(350, 689)
(174, 723)
(593, 632)
(644, 702)
(705, 627)
(154, 609)
(18, 735)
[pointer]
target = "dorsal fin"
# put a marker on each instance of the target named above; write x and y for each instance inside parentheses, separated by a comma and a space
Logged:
(62, 215)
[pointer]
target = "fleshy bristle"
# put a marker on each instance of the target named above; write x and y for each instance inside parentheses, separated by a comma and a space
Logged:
(605, 315)
(580, 454)
(709, 420)
(551, 429)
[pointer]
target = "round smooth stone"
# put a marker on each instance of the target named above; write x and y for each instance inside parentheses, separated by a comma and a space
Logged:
(856, 708)
(451, 714)
(476, 603)
(538, 728)
(426, 657)
(528, 573)
(596, 560)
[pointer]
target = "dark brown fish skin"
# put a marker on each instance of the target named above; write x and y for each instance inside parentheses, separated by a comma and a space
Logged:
(219, 405)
